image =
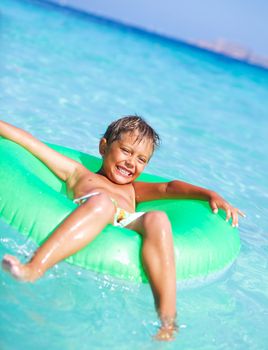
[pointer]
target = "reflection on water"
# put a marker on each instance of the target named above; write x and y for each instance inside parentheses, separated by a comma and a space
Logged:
(64, 82)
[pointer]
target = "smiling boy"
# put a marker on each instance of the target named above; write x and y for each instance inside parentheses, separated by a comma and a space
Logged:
(110, 197)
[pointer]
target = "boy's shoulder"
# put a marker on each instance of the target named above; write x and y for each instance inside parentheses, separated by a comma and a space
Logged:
(80, 172)
(146, 191)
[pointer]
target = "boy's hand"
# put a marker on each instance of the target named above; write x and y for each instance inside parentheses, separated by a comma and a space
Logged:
(216, 202)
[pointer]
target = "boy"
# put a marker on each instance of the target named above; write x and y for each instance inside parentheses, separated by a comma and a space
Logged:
(109, 197)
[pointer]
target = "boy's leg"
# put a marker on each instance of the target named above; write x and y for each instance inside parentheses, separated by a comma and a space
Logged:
(74, 233)
(159, 263)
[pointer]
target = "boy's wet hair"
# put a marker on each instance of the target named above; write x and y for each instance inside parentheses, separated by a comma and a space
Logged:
(131, 123)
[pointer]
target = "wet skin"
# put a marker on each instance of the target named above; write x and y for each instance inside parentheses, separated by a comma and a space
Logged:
(123, 161)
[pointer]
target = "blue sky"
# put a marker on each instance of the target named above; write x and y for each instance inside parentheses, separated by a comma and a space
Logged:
(244, 22)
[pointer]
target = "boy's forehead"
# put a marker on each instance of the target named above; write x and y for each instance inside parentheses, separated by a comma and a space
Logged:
(135, 138)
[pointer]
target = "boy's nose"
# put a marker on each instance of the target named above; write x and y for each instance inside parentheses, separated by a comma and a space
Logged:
(130, 162)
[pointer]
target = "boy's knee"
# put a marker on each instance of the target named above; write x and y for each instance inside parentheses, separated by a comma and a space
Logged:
(155, 217)
(102, 203)
(156, 225)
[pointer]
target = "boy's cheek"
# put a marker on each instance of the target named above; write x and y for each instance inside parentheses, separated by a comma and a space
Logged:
(140, 169)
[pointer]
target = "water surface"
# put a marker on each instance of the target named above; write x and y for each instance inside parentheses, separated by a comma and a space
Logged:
(64, 77)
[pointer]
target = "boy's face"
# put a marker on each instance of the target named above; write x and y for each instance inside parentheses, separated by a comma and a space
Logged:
(125, 159)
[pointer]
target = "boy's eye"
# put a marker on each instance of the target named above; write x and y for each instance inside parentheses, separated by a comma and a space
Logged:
(125, 150)
(142, 160)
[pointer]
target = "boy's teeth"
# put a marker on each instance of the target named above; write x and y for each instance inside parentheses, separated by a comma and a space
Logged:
(123, 171)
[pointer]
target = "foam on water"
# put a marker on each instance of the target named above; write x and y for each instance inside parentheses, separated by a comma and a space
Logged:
(64, 77)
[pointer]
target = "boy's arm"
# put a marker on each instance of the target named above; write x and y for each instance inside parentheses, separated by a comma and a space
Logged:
(182, 190)
(62, 166)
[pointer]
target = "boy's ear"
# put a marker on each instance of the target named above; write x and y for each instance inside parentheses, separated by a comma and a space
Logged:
(102, 146)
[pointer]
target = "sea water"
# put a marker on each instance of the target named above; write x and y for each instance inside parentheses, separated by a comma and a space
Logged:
(64, 77)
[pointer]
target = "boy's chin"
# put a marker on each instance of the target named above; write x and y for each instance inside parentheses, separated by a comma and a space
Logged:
(123, 181)
(120, 180)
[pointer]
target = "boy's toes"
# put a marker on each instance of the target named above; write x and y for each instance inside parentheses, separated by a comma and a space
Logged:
(165, 334)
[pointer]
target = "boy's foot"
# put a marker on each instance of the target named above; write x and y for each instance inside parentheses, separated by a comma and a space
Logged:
(166, 333)
(167, 330)
(19, 271)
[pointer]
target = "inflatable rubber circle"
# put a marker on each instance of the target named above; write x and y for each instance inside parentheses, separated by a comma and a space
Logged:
(33, 200)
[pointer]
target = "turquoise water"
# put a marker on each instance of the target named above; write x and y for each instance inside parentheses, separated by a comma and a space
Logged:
(64, 77)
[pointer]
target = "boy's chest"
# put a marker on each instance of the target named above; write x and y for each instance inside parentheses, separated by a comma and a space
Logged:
(124, 195)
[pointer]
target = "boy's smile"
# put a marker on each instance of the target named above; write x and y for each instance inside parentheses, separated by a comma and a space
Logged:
(125, 159)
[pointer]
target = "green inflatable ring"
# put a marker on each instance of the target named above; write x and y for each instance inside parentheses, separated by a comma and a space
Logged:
(33, 200)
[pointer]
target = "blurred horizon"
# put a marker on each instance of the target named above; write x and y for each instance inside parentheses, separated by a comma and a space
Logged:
(234, 29)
